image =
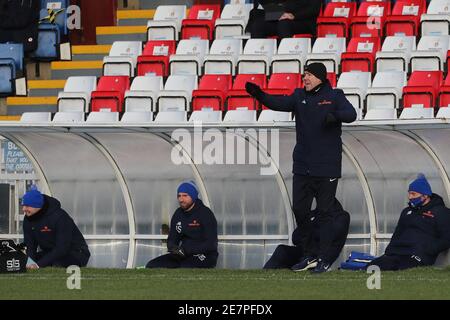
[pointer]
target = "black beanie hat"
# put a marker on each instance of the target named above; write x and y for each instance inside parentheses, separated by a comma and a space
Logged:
(318, 70)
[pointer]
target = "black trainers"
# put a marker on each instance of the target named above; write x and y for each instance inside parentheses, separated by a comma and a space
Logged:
(321, 267)
(305, 264)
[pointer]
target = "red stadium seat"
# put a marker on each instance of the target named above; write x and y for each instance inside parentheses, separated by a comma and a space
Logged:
(110, 93)
(422, 88)
(212, 92)
(405, 18)
(283, 84)
(155, 57)
(200, 22)
(360, 54)
(369, 20)
(444, 93)
(239, 98)
(335, 19)
(331, 76)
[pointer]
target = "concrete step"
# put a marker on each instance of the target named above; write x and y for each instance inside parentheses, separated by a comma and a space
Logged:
(107, 35)
(134, 17)
(3, 107)
(128, 4)
(90, 53)
(153, 4)
(9, 118)
(18, 105)
(61, 70)
(38, 71)
(45, 88)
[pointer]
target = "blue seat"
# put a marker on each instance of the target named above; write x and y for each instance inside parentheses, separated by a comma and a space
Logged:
(58, 15)
(13, 51)
(7, 75)
(11, 62)
(49, 39)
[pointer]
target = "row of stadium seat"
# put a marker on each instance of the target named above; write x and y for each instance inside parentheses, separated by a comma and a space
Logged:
(388, 91)
(227, 56)
(340, 18)
(180, 92)
(375, 18)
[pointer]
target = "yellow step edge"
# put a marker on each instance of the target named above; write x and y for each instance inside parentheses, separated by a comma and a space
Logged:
(135, 14)
(104, 31)
(10, 118)
(27, 101)
(46, 84)
(96, 49)
(73, 65)
(138, 14)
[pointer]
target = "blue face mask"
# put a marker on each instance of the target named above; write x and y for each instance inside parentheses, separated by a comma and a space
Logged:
(415, 202)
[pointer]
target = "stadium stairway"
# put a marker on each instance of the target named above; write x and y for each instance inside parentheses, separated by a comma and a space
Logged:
(87, 60)
(107, 35)
(90, 52)
(19, 105)
(61, 70)
(134, 17)
(45, 88)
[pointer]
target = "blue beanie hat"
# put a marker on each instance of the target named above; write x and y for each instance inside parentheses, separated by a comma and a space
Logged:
(33, 198)
(190, 188)
(421, 185)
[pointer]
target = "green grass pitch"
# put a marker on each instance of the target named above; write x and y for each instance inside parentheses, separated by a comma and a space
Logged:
(186, 284)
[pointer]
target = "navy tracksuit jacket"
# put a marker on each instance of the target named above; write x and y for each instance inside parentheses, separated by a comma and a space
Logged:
(195, 231)
(422, 231)
(54, 233)
(318, 152)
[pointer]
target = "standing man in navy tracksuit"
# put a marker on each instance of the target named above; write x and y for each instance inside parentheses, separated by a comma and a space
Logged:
(50, 235)
(192, 241)
(319, 112)
(422, 232)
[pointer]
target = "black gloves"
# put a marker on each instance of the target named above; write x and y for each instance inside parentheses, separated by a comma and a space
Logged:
(330, 119)
(254, 90)
(179, 252)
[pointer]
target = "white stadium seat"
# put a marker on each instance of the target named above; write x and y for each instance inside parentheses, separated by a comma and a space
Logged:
(166, 23)
(233, 20)
(36, 117)
(177, 93)
(102, 117)
(137, 117)
(431, 53)
(395, 53)
(291, 55)
(257, 56)
(328, 51)
(143, 93)
(355, 85)
(189, 57)
(69, 117)
(122, 58)
(77, 94)
(223, 56)
(437, 19)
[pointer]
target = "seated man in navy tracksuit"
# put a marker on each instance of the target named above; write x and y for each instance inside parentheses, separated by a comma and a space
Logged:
(422, 232)
(50, 234)
(192, 241)
(336, 231)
